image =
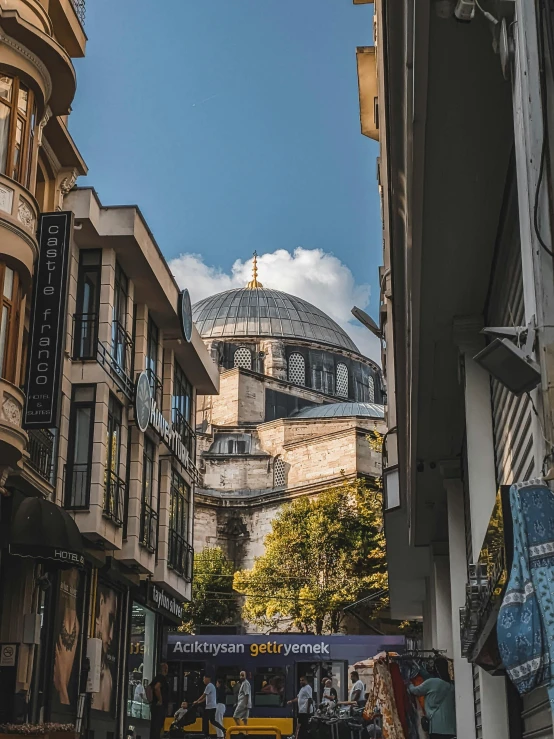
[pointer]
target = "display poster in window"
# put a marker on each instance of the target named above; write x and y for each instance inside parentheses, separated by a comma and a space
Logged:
(67, 635)
(107, 623)
(48, 317)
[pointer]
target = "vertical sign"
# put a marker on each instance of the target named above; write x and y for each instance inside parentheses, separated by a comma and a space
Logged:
(47, 335)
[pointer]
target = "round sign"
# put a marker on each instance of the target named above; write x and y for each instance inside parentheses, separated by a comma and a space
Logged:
(143, 401)
(185, 314)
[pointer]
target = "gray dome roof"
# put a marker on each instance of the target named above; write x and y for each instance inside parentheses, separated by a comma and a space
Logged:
(271, 313)
(341, 410)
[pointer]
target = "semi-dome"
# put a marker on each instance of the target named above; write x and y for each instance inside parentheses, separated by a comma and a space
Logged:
(255, 311)
(342, 410)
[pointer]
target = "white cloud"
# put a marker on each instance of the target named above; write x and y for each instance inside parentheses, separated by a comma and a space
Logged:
(311, 274)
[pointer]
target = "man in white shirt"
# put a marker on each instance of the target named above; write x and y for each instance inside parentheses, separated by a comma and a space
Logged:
(209, 697)
(357, 691)
(244, 701)
(305, 707)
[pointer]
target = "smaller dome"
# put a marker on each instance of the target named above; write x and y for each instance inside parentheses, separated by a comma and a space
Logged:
(342, 410)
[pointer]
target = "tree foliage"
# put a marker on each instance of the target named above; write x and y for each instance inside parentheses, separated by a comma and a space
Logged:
(322, 554)
(213, 600)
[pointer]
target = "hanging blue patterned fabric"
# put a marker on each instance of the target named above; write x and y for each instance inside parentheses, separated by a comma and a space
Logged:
(525, 624)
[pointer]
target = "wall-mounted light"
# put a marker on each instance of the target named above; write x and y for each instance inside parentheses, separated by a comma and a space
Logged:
(367, 321)
(391, 488)
(511, 365)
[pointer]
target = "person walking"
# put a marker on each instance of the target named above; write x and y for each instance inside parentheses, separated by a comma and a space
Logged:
(221, 699)
(244, 701)
(357, 691)
(440, 702)
(209, 697)
(305, 701)
(159, 691)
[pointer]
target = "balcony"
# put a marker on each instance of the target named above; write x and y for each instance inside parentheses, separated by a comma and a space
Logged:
(180, 555)
(77, 486)
(18, 217)
(114, 496)
(41, 453)
(155, 386)
(188, 437)
(116, 360)
(13, 439)
(148, 528)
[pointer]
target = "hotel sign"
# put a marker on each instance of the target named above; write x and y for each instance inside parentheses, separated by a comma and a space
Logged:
(47, 333)
(147, 414)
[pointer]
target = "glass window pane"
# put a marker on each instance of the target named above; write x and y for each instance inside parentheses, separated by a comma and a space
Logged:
(3, 336)
(82, 435)
(8, 283)
(84, 394)
(23, 99)
(141, 661)
(4, 135)
(6, 84)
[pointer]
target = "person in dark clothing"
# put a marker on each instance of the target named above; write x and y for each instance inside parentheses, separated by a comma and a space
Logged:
(209, 697)
(160, 701)
(221, 698)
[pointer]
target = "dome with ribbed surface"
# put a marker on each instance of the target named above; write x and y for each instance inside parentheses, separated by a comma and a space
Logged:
(259, 312)
(342, 410)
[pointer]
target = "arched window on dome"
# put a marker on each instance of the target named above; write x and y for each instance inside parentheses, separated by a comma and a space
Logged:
(242, 358)
(297, 369)
(278, 472)
(342, 380)
(371, 389)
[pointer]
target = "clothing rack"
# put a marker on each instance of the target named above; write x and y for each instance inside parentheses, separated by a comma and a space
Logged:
(416, 654)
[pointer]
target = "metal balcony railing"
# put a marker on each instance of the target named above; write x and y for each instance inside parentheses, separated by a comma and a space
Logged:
(180, 555)
(148, 528)
(41, 452)
(188, 437)
(116, 360)
(80, 9)
(156, 386)
(77, 486)
(114, 497)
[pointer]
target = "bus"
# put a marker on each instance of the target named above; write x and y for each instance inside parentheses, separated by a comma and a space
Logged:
(274, 664)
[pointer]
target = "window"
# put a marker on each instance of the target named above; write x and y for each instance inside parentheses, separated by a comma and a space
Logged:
(243, 358)
(231, 681)
(81, 428)
(342, 380)
(278, 472)
(180, 551)
(269, 686)
(121, 341)
(9, 322)
(231, 444)
(149, 516)
(17, 127)
(88, 304)
(114, 492)
(371, 384)
(152, 360)
(182, 410)
(297, 369)
(141, 660)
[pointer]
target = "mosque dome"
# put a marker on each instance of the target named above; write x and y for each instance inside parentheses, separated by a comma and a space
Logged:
(342, 410)
(258, 312)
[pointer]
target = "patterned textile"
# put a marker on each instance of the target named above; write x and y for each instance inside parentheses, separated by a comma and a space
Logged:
(382, 696)
(525, 625)
(401, 697)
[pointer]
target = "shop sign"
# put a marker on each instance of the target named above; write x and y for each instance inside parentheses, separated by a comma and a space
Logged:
(7, 655)
(48, 317)
(165, 602)
(148, 414)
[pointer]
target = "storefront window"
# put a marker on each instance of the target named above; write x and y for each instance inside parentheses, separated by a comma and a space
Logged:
(141, 660)
(108, 626)
(67, 631)
(269, 686)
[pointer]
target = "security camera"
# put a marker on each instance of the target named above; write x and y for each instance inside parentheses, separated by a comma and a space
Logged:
(465, 10)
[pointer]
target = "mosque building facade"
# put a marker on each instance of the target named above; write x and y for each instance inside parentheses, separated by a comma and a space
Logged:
(297, 402)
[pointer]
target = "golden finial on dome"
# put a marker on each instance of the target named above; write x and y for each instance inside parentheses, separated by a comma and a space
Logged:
(254, 281)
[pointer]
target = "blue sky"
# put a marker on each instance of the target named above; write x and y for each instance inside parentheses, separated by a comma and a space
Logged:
(234, 125)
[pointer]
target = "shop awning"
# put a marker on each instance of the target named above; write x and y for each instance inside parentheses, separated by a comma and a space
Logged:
(44, 531)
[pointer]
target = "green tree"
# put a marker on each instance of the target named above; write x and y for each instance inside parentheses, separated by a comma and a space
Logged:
(213, 600)
(322, 554)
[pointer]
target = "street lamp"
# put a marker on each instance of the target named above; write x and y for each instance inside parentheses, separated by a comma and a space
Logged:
(367, 321)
